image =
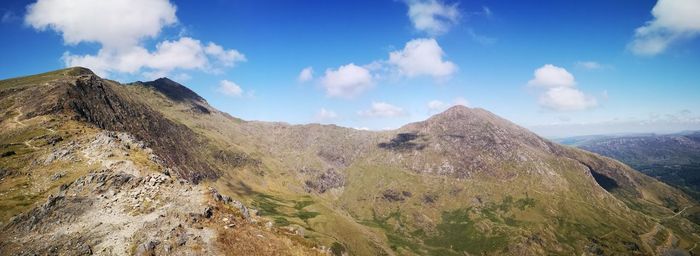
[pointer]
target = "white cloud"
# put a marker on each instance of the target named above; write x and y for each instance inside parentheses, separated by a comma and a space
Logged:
(347, 81)
(382, 109)
(186, 54)
(432, 16)
(419, 57)
(560, 92)
(227, 57)
(552, 76)
(673, 20)
(120, 27)
(112, 23)
(324, 115)
(306, 74)
(566, 99)
(422, 57)
(230, 88)
(589, 65)
(436, 105)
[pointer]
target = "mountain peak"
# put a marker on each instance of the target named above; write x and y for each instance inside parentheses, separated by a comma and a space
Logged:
(459, 113)
(457, 108)
(174, 90)
(461, 110)
(78, 71)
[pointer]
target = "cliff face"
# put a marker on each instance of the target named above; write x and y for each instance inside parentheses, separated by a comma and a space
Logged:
(106, 105)
(98, 102)
(87, 169)
(462, 182)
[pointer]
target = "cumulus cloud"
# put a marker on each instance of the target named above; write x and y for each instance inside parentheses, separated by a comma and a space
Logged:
(230, 88)
(306, 74)
(112, 23)
(419, 57)
(382, 109)
(566, 99)
(347, 81)
(673, 20)
(186, 53)
(432, 16)
(227, 58)
(560, 92)
(552, 76)
(422, 56)
(120, 27)
(325, 115)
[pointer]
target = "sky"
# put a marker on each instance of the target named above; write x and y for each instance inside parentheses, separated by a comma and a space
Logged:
(559, 68)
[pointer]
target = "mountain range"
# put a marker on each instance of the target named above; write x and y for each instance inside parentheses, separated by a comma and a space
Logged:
(671, 158)
(92, 166)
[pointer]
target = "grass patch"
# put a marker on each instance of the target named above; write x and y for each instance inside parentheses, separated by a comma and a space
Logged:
(267, 204)
(305, 215)
(301, 204)
(281, 221)
(280, 210)
(458, 232)
(38, 79)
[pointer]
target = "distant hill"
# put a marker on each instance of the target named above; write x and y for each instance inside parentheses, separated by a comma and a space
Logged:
(92, 166)
(672, 158)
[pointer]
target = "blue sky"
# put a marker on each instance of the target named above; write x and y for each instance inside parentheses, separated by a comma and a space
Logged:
(561, 68)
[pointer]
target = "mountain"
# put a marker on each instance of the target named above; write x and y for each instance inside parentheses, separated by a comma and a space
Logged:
(93, 166)
(672, 158)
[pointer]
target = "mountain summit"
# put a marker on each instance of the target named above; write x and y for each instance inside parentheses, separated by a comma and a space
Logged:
(174, 90)
(92, 166)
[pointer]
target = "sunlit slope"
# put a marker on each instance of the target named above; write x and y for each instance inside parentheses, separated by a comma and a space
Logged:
(462, 182)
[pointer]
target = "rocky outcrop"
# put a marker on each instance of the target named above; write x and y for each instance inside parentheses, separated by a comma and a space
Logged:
(327, 180)
(123, 209)
(465, 181)
(97, 102)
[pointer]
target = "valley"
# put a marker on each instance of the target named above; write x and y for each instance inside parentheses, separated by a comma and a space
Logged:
(92, 166)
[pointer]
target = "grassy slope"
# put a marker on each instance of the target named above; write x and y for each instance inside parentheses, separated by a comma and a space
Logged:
(23, 141)
(561, 215)
(25, 180)
(512, 216)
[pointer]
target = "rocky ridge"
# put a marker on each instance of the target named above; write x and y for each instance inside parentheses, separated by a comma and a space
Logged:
(462, 182)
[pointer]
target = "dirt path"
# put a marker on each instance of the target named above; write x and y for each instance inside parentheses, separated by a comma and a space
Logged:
(16, 118)
(678, 213)
(30, 145)
(648, 236)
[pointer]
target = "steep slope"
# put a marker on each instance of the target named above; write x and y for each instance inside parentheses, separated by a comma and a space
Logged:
(673, 158)
(70, 187)
(462, 182)
(392, 192)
